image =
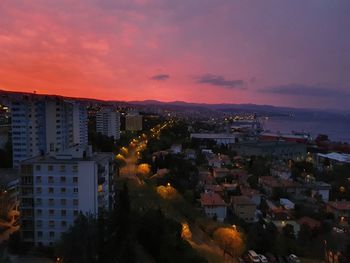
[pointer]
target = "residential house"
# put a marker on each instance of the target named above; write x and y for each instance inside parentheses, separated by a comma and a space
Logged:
(213, 205)
(253, 194)
(244, 208)
(270, 184)
(221, 172)
(320, 189)
(341, 211)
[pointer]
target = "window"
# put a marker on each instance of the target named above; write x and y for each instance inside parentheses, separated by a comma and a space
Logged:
(38, 167)
(75, 213)
(38, 201)
(51, 224)
(51, 190)
(63, 179)
(63, 223)
(63, 202)
(75, 179)
(38, 190)
(75, 190)
(40, 234)
(50, 179)
(39, 223)
(38, 179)
(51, 202)
(75, 202)
(62, 168)
(63, 190)
(63, 212)
(75, 168)
(39, 212)
(52, 235)
(51, 212)
(50, 168)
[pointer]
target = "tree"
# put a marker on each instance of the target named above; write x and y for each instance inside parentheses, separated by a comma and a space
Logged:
(230, 241)
(304, 235)
(4, 257)
(288, 231)
(79, 243)
(262, 236)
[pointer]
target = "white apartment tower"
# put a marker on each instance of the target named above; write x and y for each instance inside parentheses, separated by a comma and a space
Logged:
(41, 125)
(108, 123)
(55, 188)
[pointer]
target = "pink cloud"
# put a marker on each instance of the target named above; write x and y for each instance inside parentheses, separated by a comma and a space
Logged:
(112, 47)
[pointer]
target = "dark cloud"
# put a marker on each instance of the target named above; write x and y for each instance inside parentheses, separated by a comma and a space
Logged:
(217, 80)
(160, 77)
(295, 89)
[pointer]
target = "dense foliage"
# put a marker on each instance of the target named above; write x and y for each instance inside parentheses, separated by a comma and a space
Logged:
(126, 236)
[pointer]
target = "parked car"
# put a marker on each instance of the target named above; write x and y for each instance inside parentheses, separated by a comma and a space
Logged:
(253, 257)
(338, 230)
(293, 259)
(263, 259)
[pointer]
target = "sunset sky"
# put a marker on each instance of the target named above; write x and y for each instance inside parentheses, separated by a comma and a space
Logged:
(290, 53)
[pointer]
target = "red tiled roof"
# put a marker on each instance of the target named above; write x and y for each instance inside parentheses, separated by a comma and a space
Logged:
(340, 205)
(249, 191)
(211, 199)
(277, 182)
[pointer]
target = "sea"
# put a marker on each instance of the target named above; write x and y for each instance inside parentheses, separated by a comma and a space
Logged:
(337, 127)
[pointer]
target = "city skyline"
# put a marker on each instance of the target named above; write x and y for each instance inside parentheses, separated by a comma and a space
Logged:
(292, 54)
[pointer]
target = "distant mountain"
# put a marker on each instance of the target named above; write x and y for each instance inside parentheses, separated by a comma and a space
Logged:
(223, 107)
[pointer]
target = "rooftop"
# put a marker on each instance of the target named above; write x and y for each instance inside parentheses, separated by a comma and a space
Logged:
(277, 182)
(339, 157)
(70, 155)
(212, 199)
(241, 200)
(247, 191)
(340, 205)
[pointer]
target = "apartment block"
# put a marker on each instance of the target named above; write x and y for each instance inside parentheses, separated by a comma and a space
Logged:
(55, 188)
(108, 123)
(42, 125)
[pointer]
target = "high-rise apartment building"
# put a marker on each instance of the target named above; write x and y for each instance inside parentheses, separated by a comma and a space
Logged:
(41, 125)
(55, 188)
(133, 121)
(108, 123)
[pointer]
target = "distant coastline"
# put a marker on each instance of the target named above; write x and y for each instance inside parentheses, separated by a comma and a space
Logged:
(337, 128)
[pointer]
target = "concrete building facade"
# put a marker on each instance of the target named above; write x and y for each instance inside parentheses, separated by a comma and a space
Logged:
(55, 188)
(46, 125)
(108, 123)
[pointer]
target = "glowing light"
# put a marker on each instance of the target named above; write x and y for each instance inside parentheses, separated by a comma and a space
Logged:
(186, 231)
(167, 192)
